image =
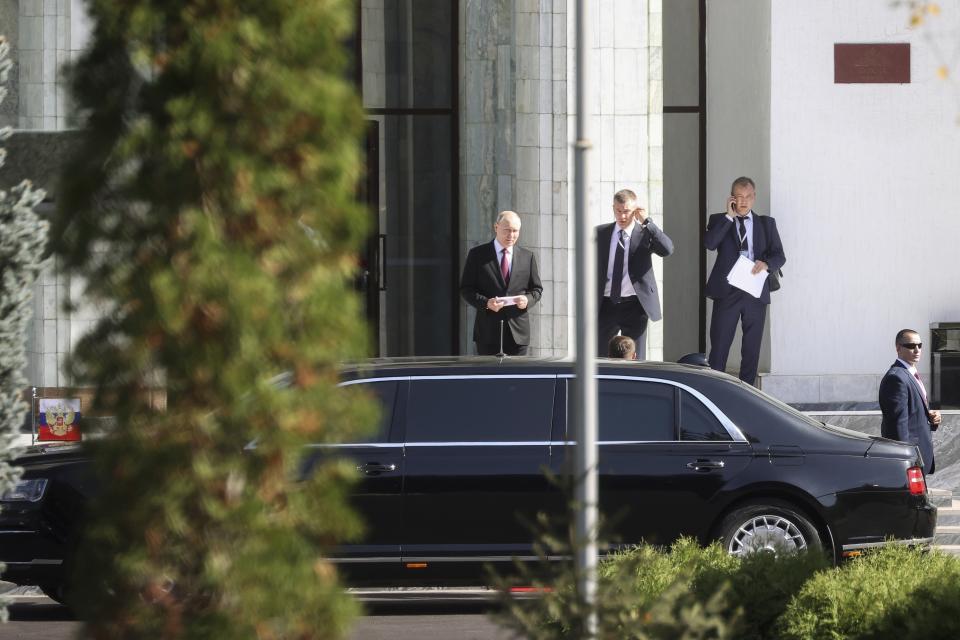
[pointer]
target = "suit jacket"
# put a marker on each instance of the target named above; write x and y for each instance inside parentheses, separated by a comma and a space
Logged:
(905, 415)
(482, 280)
(644, 242)
(722, 235)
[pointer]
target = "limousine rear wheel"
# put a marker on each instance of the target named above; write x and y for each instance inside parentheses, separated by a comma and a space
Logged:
(54, 591)
(768, 527)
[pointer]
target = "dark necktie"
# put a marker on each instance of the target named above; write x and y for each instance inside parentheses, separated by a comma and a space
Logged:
(742, 233)
(505, 267)
(617, 277)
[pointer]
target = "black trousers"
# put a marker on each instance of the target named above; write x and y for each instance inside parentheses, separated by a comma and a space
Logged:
(729, 311)
(510, 347)
(629, 318)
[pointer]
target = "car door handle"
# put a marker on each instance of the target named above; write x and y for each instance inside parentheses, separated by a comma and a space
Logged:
(375, 468)
(705, 465)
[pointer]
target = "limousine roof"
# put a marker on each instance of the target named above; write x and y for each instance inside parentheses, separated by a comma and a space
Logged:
(491, 365)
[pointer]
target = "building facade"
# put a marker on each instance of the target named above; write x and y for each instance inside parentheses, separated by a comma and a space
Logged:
(470, 111)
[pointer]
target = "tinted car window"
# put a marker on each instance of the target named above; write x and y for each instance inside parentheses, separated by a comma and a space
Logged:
(636, 411)
(480, 410)
(386, 394)
(696, 421)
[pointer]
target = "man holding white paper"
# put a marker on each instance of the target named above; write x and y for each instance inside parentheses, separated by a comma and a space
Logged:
(745, 275)
(740, 294)
(501, 281)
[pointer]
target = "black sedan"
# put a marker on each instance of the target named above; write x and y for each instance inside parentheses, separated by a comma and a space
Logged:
(456, 473)
(40, 515)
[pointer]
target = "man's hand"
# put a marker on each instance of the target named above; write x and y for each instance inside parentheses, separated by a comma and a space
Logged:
(521, 302)
(935, 417)
(494, 304)
(640, 214)
(758, 266)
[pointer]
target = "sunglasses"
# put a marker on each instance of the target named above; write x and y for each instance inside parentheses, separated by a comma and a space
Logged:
(912, 345)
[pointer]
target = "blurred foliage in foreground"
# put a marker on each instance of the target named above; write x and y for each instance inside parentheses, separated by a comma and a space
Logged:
(23, 238)
(210, 213)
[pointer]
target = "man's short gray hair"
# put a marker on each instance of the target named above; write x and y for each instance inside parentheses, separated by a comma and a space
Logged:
(507, 214)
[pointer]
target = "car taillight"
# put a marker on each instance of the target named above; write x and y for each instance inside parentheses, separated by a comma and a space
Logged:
(918, 486)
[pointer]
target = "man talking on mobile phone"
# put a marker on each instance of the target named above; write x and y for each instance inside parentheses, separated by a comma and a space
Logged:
(740, 232)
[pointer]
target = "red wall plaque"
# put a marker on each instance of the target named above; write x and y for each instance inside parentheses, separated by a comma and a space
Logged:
(860, 63)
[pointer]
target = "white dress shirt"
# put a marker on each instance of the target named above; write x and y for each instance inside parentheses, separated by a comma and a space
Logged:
(748, 225)
(913, 372)
(626, 285)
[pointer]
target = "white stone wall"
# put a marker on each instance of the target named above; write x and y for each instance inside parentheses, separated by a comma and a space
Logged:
(542, 162)
(50, 33)
(45, 44)
(864, 188)
(516, 133)
(515, 146)
(48, 341)
(627, 97)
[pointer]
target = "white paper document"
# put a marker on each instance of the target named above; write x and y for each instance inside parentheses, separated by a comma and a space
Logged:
(741, 278)
(508, 301)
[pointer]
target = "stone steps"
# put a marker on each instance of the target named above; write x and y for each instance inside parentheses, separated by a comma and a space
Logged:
(942, 498)
(949, 549)
(947, 536)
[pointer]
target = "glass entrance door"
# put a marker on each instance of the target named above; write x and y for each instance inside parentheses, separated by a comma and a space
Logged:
(408, 52)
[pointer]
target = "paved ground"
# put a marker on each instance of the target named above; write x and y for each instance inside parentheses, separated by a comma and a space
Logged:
(37, 618)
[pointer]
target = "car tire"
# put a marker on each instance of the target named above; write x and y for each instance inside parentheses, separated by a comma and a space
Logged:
(54, 591)
(770, 526)
(57, 590)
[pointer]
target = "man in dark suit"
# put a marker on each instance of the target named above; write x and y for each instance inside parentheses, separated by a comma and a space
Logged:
(740, 232)
(903, 400)
(502, 281)
(625, 279)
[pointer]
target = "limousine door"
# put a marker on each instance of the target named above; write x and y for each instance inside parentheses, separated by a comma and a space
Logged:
(377, 496)
(664, 457)
(476, 451)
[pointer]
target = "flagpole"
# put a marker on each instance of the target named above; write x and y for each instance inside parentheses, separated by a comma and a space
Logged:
(585, 388)
(33, 413)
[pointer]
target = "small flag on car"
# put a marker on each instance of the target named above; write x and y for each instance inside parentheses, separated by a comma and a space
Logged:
(59, 419)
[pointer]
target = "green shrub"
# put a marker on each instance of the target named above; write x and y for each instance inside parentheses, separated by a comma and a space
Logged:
(692, 592)
(893, 593)
(755, 590)
(686, 591)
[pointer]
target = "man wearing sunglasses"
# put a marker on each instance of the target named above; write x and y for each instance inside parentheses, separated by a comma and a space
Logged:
(903, 400)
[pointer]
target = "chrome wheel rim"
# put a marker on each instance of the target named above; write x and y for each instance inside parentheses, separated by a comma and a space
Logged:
(767, 534)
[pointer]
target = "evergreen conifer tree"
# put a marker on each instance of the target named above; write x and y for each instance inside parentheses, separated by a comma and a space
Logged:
(210, 211)
(23, 236)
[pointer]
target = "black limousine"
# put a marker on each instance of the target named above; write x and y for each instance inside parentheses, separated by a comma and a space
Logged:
(456, 473)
